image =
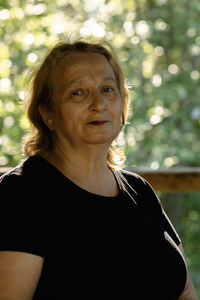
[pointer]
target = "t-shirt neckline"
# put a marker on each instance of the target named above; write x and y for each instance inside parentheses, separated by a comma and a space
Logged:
(115, 174)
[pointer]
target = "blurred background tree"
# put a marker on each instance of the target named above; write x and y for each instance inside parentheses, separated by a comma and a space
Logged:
(158, 44)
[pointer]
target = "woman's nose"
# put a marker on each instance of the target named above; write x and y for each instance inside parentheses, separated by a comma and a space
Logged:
(98, 101)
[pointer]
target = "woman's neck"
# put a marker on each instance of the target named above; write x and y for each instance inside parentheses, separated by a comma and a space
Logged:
(87, 169)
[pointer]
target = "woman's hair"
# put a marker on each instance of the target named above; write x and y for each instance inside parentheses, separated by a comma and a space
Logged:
(41, 87)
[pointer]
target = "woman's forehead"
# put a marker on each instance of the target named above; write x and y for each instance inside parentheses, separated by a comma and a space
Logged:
(78, 64)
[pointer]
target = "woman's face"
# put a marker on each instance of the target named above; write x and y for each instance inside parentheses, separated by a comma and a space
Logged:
(87, 103)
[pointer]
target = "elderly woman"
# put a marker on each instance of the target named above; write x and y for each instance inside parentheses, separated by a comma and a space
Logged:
(73, 223)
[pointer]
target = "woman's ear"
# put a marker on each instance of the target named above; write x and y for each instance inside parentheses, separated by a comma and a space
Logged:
(47, 117)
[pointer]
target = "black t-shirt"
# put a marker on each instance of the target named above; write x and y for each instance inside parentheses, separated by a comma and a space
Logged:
(94, 247)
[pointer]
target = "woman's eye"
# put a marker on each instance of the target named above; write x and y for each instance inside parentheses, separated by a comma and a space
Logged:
(77, 93)
(108, 90)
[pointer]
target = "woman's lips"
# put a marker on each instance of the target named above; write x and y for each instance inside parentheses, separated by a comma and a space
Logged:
(97, 122)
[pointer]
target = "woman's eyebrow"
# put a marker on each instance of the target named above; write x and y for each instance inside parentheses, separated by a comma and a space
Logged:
(109, 78)
(76, 80)
(80, 80)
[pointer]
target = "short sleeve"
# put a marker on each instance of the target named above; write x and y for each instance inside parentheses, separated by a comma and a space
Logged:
(155, 205)
(21, 222)
(149, 200)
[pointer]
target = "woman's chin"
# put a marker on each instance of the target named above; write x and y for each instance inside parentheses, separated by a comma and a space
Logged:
(100, 140)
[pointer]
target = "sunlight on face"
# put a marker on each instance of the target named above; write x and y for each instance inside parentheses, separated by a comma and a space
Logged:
(87, 102)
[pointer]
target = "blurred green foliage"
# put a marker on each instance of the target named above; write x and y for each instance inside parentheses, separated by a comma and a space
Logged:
(158, 44)
(183, 210)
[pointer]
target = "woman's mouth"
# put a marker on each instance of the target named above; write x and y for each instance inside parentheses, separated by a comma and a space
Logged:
(97, 122)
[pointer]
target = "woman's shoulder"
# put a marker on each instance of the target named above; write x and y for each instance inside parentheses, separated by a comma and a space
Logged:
(22, 185)
(29, 168)
(139, 186)
(133, 178)
(12, 176)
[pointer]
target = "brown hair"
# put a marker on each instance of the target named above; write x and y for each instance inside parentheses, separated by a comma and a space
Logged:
(41, 83)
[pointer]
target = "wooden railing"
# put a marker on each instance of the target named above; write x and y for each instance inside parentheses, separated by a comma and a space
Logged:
(166, 180)
(172, 180)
